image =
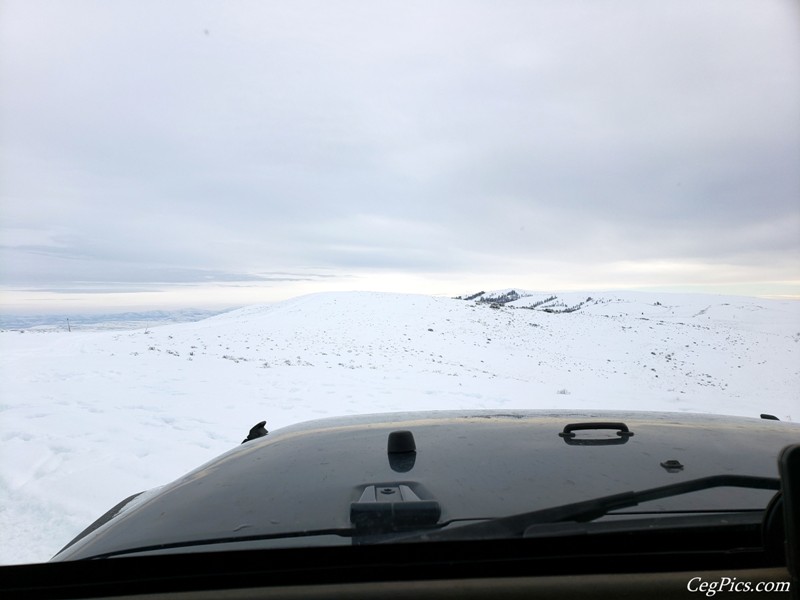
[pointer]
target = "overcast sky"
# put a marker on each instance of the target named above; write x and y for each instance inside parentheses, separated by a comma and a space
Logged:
(185, 153)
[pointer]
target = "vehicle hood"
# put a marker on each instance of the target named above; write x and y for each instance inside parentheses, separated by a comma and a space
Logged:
(475, 464)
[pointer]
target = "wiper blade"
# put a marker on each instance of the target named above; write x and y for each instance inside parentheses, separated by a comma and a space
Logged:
(588, 510)
(185, 545)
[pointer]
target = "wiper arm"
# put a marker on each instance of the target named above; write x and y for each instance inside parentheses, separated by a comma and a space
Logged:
(588, 510)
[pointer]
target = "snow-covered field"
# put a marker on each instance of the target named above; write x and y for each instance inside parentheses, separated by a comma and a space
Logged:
(88, 418)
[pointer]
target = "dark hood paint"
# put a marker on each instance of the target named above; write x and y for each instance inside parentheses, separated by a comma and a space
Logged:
(475, 464)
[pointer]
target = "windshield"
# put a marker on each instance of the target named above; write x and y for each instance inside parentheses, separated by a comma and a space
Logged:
(218, 214)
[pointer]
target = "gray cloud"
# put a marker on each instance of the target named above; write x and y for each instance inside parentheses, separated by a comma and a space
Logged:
(158, 142)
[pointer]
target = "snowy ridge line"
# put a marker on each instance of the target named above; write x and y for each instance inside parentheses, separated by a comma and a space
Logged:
(529, 300)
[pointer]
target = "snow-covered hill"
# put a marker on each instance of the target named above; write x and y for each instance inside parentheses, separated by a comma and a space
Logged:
(87, 418)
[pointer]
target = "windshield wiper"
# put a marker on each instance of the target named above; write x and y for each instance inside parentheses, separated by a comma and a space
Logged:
(587, 510)
(501, 527)
(184, 546)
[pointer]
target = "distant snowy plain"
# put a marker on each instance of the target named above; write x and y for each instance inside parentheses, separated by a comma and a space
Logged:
(90, 417)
